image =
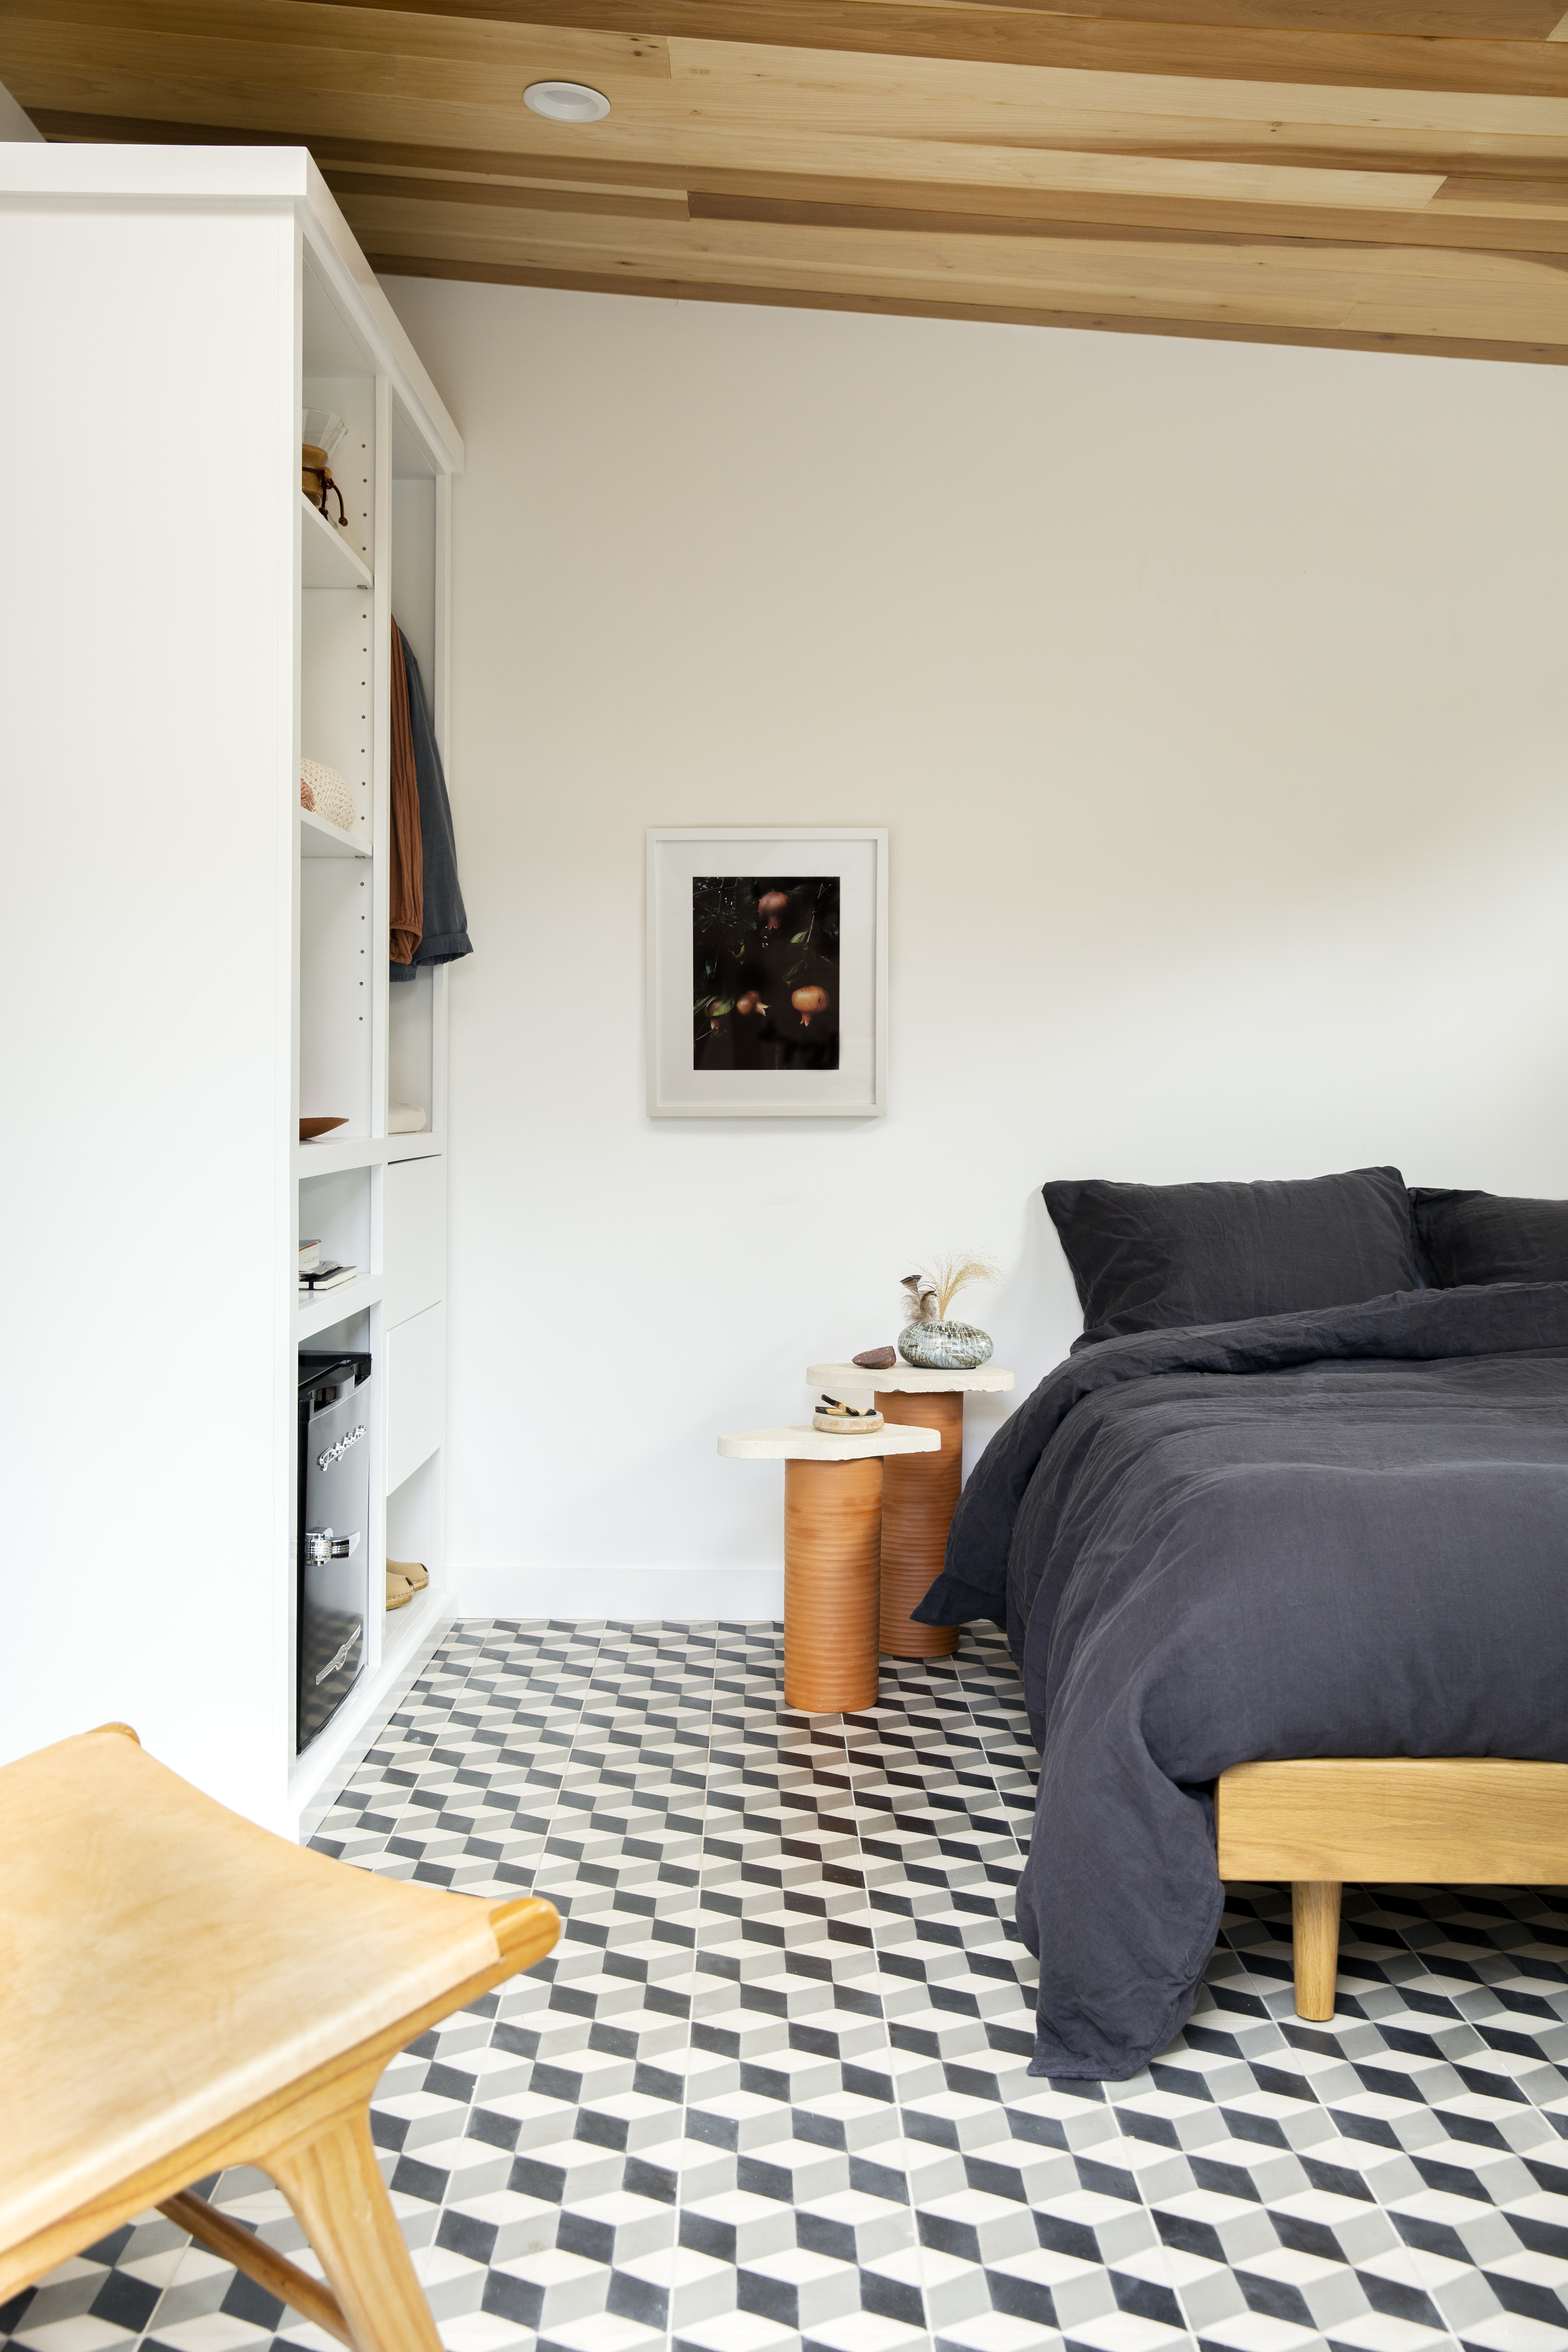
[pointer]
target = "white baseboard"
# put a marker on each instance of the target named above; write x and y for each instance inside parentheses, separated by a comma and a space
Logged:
(627, 1593)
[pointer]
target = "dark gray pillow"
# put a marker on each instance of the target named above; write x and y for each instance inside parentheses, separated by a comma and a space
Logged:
(1478, 1237)
(1155, 1257)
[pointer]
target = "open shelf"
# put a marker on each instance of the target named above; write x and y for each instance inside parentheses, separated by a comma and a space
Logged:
(320, 1310)
(320, 839)
(335, 1154)
(400, 1628)
(326, 559)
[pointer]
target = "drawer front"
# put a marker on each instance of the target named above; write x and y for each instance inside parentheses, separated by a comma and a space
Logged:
(415, 1392)
(414, 1238)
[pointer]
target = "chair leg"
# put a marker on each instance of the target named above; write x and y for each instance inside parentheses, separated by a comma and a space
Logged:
(334, 2185)
(1315, 1918)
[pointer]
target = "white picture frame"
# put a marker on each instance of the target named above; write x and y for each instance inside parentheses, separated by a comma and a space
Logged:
(682, 860)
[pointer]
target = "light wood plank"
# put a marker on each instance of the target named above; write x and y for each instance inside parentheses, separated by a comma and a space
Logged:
(1467, 1821)
(352, 41)
(1103, 320)
(953, 99)
(1026, 35)
(1379, 289)
(866, 207)
(400, 175)
(1476, 20)
(1498, 201)
(617, 204)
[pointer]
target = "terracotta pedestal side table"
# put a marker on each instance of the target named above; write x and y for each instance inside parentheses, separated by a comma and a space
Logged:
(833, 1527)
(919, 1497)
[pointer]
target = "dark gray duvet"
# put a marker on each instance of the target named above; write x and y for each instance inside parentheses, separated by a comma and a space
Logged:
(1340, 1533)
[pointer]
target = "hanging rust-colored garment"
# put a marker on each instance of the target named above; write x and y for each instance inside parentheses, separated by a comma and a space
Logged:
(407, 913)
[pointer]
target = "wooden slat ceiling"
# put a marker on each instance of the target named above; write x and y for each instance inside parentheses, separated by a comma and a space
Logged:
(1386, 174)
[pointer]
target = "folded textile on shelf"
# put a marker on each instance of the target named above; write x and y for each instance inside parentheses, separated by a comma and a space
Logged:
(404, 1118)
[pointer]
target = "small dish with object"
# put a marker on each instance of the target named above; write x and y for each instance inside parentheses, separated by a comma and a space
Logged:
(836, 1420)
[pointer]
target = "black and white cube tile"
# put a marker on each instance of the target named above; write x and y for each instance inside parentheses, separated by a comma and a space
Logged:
(770, 2094)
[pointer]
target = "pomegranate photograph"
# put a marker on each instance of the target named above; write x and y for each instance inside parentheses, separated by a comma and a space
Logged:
(764, 970)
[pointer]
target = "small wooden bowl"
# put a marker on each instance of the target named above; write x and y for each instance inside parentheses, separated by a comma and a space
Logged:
(311, 1128)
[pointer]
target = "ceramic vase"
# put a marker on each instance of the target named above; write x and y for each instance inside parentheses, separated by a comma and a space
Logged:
(944, 1347)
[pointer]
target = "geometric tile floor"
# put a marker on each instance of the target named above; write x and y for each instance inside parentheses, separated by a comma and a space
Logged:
(770, 2092)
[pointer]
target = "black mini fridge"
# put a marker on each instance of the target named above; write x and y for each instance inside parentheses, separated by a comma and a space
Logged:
(333, 1537)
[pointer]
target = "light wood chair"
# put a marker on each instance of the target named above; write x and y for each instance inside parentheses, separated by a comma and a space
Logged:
(1322, 1820)
(181, 1990)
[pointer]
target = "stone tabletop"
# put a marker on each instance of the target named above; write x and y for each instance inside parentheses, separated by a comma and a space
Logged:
(807, 1444)
(836, 1378)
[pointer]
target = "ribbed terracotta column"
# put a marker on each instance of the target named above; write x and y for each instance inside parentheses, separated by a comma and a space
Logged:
(920, 1495)
(831, 1523)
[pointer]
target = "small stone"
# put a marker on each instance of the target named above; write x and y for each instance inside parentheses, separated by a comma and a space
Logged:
(876, 1359)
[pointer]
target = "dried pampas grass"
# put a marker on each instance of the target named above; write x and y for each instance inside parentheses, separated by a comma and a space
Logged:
(940, 1280)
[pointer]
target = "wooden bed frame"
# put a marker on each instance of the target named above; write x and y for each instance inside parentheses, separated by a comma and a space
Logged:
(1465, 1820)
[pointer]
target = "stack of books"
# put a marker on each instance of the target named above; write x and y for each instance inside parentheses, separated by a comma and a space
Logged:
(319, 1273)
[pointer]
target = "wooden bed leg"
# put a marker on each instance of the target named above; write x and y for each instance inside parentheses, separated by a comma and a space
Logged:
(1315, 1918)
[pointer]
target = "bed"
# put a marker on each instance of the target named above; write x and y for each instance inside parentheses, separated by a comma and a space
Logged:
(1297, 1582)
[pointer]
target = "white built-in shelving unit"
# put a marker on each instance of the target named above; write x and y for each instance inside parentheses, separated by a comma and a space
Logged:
(202, 961)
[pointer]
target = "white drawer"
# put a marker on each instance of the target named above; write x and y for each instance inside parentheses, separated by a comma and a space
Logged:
(413, 1237)
(415, 1392)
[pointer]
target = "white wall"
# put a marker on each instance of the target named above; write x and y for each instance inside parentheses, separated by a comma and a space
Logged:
(1213, 696)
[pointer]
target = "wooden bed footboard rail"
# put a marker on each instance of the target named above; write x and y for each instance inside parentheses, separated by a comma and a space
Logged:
(1319, 1821)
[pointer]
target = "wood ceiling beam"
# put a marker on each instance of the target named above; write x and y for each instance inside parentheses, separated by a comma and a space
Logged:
(1098, 322)
(1509, 187)
(1485, 297)
(1031, 37)
(862, 203)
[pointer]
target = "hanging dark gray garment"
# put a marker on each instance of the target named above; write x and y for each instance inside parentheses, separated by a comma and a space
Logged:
(445, 937)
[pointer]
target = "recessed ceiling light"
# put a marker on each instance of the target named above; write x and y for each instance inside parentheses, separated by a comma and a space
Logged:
(567, 101)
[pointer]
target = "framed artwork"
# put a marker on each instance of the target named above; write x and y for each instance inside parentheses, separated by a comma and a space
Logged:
(767, 971)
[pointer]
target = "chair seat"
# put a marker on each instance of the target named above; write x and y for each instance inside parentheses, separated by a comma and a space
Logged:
(166, 1964)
